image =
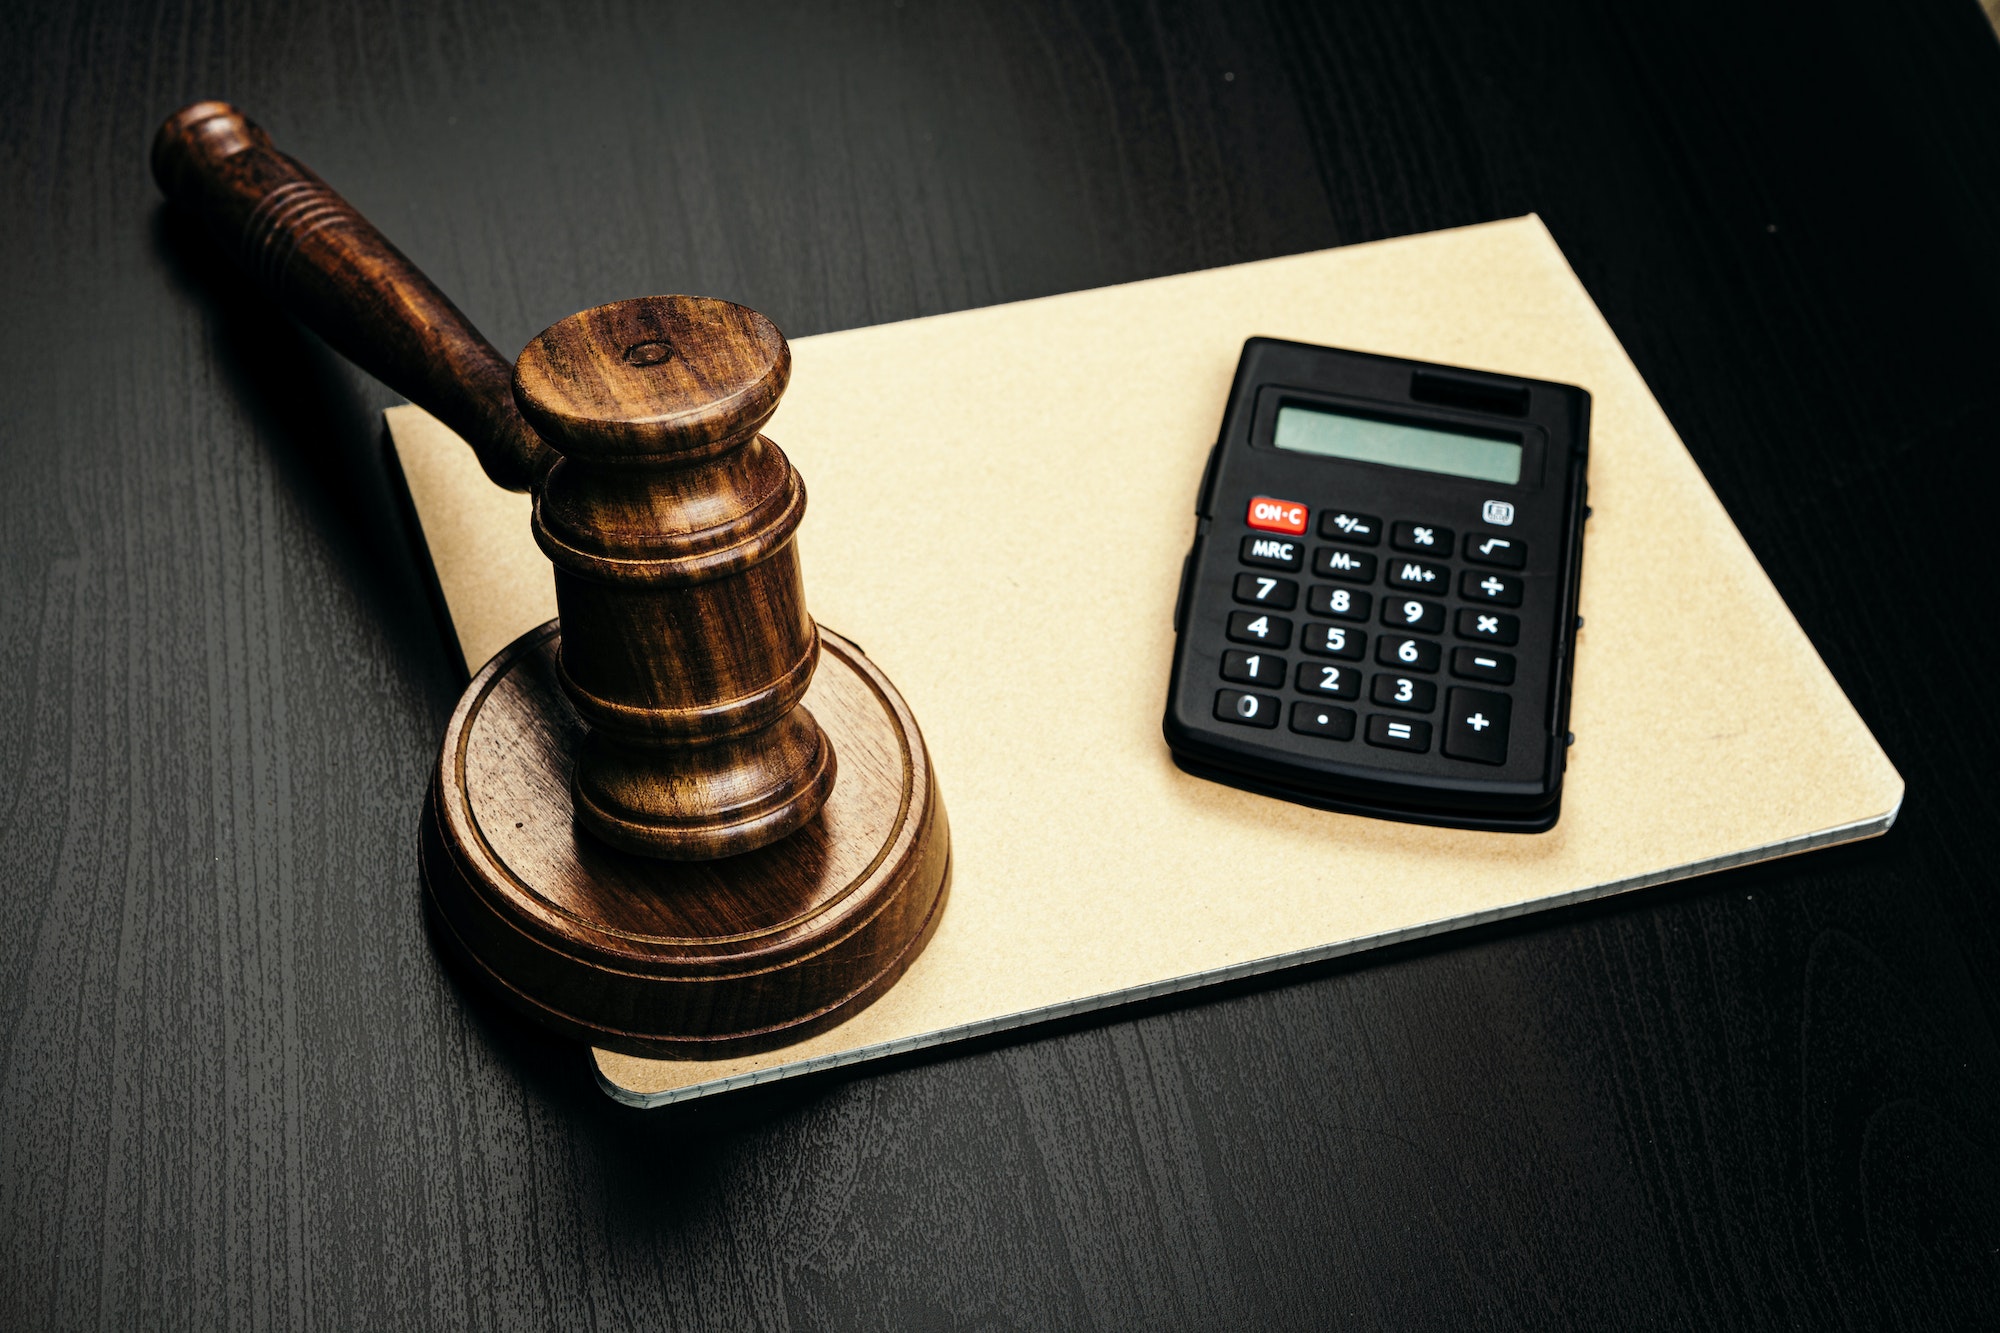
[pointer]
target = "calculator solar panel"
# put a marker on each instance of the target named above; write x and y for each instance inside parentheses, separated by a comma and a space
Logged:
(1378, 613)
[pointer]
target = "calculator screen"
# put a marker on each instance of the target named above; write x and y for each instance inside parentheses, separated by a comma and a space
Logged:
(1308, 430)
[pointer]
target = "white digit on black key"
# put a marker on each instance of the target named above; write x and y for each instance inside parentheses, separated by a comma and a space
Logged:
(1413, 611)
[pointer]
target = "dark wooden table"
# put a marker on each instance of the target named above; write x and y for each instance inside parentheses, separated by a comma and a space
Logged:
(237, 1091)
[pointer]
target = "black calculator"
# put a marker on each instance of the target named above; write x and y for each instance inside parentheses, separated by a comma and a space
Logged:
(1378, 613)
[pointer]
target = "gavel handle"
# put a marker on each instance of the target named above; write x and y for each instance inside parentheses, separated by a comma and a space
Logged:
(323, 262)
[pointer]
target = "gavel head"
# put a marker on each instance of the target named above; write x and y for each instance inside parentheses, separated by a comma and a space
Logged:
(686, 645)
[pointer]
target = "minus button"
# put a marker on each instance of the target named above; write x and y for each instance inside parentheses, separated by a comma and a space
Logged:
(1482, 664)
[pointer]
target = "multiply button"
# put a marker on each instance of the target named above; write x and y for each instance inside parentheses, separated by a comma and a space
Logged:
(1273, 552)
(1268, 515)
(1420, 537)
(1395, 733)
(1246, 709)
(1352, 566)
(1361, 529)
(1492, 626)
(1258, 628)
(1263, 590)
(1476, 726)
(1417, 575)
(1495, 589)
(1490, 548)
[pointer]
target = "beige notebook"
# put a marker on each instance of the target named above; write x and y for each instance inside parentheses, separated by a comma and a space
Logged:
(999, 503)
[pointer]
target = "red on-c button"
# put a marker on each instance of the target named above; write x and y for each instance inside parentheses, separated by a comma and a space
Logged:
(1268, 515)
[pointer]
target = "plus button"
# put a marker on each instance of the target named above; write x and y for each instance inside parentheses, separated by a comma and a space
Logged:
(1478, 728)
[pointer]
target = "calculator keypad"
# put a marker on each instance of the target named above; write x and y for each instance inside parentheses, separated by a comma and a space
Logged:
(1399, 681)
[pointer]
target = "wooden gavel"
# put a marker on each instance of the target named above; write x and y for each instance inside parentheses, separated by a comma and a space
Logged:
(724, 893)
(669, 519)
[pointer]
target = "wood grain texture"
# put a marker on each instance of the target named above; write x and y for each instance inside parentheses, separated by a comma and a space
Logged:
(670, 522)
(692, 958)
(237, 1089)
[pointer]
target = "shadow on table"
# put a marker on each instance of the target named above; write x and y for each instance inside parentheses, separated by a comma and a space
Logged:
(320, 420)
(656, 1163)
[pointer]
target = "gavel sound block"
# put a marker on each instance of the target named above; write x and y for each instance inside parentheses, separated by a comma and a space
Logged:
(681, 819)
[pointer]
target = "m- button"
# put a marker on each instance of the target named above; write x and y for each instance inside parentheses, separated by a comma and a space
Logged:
(1475, 725)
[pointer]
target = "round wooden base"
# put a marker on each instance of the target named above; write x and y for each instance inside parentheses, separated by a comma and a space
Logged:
(684, 959)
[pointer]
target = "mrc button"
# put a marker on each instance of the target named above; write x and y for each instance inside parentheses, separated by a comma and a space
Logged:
(1273, 553)
(1268, 515)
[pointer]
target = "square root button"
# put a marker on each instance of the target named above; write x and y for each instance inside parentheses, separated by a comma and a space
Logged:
(1475, 725)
